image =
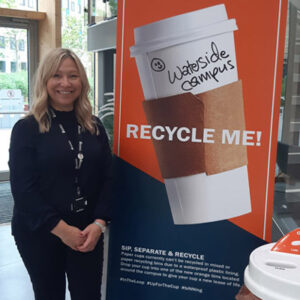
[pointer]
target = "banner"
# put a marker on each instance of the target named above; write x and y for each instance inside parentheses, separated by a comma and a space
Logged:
(197, 103)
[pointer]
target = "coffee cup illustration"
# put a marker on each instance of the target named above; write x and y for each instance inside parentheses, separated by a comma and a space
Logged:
(188, 71)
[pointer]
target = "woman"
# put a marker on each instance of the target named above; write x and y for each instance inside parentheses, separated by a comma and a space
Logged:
(60, 165)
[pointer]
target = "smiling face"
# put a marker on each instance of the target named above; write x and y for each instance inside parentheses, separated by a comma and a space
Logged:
(64, 87)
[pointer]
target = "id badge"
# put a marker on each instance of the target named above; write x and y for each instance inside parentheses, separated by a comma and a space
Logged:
(79, 204)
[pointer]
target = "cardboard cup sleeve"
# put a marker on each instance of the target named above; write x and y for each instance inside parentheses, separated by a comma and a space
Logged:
(218, 109)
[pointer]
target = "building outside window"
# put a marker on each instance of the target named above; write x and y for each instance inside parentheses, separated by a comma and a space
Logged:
(79, 7)
(19, 4)
(2, 66)
(2, 42)
(13, 66)
(103, 10)
(21, 45)
(23, 66)
(15, 42)
(12, 43)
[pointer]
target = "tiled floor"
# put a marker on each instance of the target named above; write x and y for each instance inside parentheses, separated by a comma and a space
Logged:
(14, 281)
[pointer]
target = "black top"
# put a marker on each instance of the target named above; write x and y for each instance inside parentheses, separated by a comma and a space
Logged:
(42, 174)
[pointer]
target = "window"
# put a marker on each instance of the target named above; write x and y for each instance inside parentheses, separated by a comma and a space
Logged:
(12, 42)
(287, 181)
(13, 66)
(101, 10)
(2, 66)
(2, 42)
(21, 45)
(72, 6)
(16, 71)
(19, 4)
(23, 66)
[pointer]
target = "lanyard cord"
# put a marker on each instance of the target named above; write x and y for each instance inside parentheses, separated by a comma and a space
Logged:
(79, 157)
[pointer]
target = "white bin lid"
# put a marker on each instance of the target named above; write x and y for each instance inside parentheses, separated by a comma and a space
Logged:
(273, 272)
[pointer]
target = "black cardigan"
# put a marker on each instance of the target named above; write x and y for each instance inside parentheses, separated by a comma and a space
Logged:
(42, 174)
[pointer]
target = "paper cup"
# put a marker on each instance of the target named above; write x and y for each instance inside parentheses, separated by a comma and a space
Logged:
(193, 52)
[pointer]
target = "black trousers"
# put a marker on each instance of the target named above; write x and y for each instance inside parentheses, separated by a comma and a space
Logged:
(49, 261)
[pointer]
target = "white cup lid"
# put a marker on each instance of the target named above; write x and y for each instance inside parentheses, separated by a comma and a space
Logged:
(185, 37)
(181, 28)
(180, 24)
(273, 272)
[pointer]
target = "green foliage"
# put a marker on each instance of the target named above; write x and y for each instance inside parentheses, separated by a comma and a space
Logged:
(13, 81)
(74, 35)
(7, 4)
(113, 7)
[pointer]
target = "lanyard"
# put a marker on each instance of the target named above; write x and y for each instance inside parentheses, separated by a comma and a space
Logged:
(79, 157)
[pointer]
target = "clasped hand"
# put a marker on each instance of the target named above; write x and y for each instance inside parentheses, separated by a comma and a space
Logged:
(90, 235)
(83, 241)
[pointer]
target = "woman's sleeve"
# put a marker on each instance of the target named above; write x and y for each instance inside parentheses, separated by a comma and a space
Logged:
(24, 178)
(104, 204)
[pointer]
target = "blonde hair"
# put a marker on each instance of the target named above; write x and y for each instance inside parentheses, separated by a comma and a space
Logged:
(40, 105)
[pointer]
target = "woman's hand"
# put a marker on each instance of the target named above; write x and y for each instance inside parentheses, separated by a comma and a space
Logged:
(70, 235)
(91, 234)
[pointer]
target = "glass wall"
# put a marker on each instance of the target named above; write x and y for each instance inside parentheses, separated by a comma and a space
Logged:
(286, 215)
(13, 84)
(74, 36)
(100, 10)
